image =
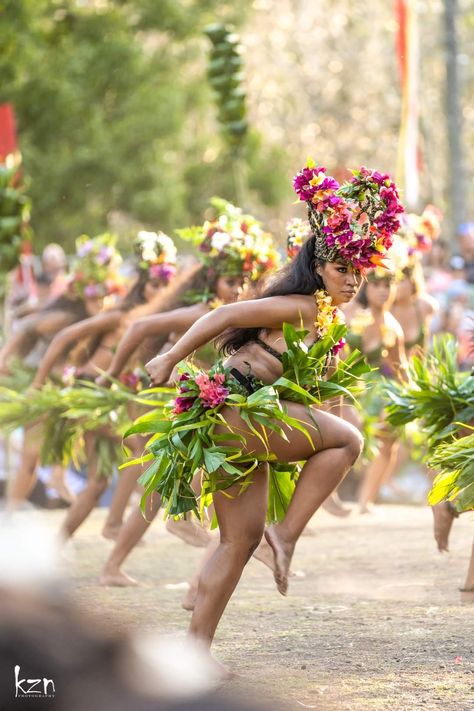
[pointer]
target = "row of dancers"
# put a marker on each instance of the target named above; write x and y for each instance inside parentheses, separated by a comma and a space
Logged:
(275, 398)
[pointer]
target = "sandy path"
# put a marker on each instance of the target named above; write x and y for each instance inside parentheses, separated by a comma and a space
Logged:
(377, 623)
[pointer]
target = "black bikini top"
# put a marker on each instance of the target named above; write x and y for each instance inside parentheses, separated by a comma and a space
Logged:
(274, 352)
(269, 349)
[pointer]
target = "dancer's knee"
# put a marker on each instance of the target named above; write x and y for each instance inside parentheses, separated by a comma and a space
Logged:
(244, 545)
(97, 486)
(354, 444)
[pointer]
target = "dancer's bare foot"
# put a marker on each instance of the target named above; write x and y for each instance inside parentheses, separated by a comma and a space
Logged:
(111, 531)
(334, 506)
(56, 482)
(118, 579)
(283, 553)
(264, 553)
(189, 600)
(443, 520)
(191, 533)
(216, 668)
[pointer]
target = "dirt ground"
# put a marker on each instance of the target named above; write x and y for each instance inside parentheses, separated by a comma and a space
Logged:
(376, 623)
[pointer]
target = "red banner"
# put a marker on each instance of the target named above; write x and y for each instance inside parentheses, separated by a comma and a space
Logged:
(8, 142)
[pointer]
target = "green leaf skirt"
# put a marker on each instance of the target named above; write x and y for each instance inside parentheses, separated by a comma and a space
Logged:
(185, 439)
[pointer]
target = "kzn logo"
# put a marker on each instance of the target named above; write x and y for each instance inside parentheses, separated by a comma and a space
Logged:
(38, 688)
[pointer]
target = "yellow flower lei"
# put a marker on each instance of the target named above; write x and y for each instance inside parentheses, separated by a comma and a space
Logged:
(327, 313)
(215, 303)
(363, 320)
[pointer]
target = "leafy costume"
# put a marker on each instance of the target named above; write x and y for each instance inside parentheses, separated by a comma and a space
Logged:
(183, 437)
(442, 399)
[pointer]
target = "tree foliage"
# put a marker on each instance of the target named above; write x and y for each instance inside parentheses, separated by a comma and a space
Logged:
(114, 111)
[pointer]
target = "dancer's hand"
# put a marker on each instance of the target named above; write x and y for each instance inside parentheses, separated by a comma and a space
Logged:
(160, 368)
(103, 381)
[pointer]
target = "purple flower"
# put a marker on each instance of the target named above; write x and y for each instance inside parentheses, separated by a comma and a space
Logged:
(183, 404)
(338, 346)
(162, 271)
(104, 255)
(84, 249)
(91, 291)
(302, 183)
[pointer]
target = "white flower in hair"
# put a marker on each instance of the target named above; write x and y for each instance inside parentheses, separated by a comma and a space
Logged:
(223, 221)
(219, 240)
(154, 245)
(168, 246)
(249, 241)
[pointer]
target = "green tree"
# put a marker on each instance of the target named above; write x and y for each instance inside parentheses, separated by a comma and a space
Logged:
(114, 110)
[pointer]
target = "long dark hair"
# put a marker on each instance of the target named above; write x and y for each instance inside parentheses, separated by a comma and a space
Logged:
(69, 304)
(136, 295)
(297, 277)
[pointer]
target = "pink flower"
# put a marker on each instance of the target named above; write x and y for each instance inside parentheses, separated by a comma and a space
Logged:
(69, 375)
(338, 346)
(162, 271)
(307, 191)
(211, 391)
(130, 380)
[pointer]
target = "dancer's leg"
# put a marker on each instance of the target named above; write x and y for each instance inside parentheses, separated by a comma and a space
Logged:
(382, 467)
(321, 474)
(263, 553)
(241, 524)
(443, 518)
(189, 600)
(58, 483)
(25, 478)
(242, 518)
(469, 584)
(188, 529)
(126, 485)
(89, 497)
(130, 534)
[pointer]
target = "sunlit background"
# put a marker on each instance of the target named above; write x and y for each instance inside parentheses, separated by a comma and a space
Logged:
(118, 126)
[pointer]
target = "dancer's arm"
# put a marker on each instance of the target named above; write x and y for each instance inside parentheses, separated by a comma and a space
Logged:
(268, 313)
(146, 327)
(30, 330)
(397, 354)
(96, 325)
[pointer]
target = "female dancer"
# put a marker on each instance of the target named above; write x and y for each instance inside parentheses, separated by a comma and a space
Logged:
(89, 284)
(413, 306)
(376, 333)
(156, 255)
(98, 335)
(236, 410)
(234, 249)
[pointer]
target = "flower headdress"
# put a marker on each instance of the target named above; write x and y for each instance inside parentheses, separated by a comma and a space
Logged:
(156, 254)
(354, 222)
(396, 261)
(233, 243)
(94, 272)
(297, 231)
(420, 231)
